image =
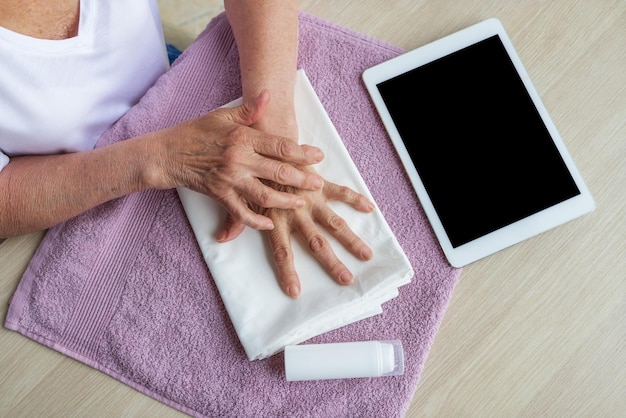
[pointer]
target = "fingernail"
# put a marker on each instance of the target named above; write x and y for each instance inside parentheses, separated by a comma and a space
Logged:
(293, 291)
(221, 236)
(300, 203)
(345, 277)
(366, 253)
(318, 183)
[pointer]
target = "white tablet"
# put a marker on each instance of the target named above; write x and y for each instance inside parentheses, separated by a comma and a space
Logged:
(479, 147)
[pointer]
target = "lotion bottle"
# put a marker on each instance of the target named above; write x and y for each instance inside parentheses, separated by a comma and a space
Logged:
(344, 360)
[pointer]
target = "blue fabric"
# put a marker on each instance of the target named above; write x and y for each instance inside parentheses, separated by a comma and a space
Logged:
(172, 52)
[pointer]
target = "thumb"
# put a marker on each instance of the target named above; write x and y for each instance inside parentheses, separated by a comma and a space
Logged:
(251, 111)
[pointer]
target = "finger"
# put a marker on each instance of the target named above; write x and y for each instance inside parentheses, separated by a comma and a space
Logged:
(339, 228)
(323, 252)
(286, 149)
(347, 195)
(286, 174)
(256, 192)
(230, 230)
(280, 244)
(240, 212)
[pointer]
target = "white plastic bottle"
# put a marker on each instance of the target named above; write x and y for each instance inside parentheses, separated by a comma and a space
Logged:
(344, 360)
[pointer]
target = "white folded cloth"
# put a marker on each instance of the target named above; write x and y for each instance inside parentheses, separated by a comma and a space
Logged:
(265, 319)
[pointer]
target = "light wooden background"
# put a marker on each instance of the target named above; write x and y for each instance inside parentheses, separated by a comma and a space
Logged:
(536, 330)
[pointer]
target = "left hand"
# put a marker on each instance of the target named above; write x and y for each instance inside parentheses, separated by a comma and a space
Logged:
(266, 33)
(280, 120)
(305, 221)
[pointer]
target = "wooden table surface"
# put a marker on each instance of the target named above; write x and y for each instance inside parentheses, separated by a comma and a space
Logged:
(536, 330)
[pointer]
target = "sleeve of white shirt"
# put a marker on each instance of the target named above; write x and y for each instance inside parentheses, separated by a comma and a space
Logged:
(4, 160)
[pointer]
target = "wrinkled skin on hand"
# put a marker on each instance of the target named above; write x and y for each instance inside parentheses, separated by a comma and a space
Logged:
(307, 221)
(221, 155)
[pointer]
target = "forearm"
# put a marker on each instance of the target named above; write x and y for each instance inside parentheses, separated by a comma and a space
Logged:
(217, 154)
(266, 33)
(37, 192)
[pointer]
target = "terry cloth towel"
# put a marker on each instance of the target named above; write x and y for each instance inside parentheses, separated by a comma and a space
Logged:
(124, 287)
(266, 320)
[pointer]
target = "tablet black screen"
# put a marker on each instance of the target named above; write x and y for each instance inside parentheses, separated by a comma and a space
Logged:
(477, 141)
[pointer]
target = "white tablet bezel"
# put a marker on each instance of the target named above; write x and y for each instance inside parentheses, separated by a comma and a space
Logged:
(513, 233)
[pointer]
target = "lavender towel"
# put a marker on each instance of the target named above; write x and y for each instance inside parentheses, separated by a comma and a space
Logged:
(124, 288)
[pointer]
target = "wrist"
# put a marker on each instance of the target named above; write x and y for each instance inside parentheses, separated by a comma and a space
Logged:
(151, 162)
(280, 120)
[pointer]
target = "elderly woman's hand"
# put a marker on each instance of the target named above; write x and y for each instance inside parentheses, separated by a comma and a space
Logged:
(306, 221)
(220, 155)
(280, 119)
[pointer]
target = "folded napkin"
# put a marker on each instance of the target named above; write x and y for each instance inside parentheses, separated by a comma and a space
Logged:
(266, 320)
(125, 288)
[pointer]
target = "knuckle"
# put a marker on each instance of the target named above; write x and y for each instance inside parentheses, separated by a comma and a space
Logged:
(239, 132)
(336, 223)
(230, 156)
(237, 135)
(264, 199)
(344, 193)
(317, 244)
(281, 254)
(286, 148)
(233, 148)
(282, 173)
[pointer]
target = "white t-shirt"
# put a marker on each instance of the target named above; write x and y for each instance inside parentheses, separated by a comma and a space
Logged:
(61, 95)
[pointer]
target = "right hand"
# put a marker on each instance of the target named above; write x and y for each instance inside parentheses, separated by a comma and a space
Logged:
(220, 155)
